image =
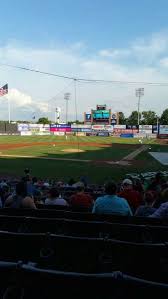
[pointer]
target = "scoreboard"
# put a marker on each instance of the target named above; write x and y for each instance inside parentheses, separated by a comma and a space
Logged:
(100, 115)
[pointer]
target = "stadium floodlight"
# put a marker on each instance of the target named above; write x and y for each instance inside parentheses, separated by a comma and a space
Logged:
(139, 92)
(67, 98)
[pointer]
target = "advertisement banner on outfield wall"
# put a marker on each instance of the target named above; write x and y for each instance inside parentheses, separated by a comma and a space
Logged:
(60, 128)
(147, 129)
(81, 130)
(37, 126)
(81, 126)
(155, 129)
(103, 134)
(132, 127)
(80, 134)
(125, 131)
(23, 127)
(119, 126)
(109, 128)
(98, 127)
(163, 129)
(59, 133)
(41, 133)
(25, 133)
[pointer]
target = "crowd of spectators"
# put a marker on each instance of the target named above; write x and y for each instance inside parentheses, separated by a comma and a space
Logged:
(139, 197)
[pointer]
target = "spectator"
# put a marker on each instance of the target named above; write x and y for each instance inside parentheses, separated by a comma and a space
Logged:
(162, 198)
(148, 208)
(162, 210)
(4, 194)
(111, 203)
(132, 196)
(54, 198)
(78, 184)
(19, 199)
(37, 196)
(157, 183)
(81, 200)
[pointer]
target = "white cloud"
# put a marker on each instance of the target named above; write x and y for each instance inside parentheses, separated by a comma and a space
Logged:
(164, 62)
(115, 53)
(143, 60)
(18, 98)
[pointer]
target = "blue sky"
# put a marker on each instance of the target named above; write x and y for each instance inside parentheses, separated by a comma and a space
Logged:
(98, 23)
(113, 40)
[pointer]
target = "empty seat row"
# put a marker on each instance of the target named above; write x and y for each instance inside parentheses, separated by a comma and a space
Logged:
(89, 255)
(54, 213)
(30, 281)
(119, 231)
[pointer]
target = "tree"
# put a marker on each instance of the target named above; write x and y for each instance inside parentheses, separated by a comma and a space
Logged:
(77, 122)
(122, 119)
(149, 118)
(44, 120)
(133, 118)
(164, 117)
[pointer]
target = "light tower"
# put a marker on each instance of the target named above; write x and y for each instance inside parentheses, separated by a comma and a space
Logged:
(67, 98)
(139, 93)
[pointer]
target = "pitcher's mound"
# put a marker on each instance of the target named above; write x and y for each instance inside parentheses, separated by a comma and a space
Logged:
(73, 150)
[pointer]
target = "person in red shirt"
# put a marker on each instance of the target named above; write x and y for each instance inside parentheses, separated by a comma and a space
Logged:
(81, 200)
(132, 196)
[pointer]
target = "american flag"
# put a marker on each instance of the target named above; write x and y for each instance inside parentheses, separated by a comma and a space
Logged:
(3, 90)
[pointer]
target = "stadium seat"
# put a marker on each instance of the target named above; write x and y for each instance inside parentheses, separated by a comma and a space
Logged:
(89, 255)
(45, 284)
(83, 216)
(61, 252)
(95, 229)
(148, 261)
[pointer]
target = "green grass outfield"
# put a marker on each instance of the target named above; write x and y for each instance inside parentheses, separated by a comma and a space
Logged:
(95, 170)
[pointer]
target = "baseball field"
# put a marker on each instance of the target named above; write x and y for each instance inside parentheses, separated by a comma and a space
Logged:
(98, 158)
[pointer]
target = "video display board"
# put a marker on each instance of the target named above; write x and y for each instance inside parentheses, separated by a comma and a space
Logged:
(101, 115)
(88, 117)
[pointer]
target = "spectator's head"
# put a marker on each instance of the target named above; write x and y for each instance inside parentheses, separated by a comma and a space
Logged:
(150, 198)
(127, 184)
(53, 193)
(37, 195)
(34, 180)
(110, 188)
(21, 189)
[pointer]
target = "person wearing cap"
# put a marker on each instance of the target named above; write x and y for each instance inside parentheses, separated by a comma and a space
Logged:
(111, 203)
(132, 196)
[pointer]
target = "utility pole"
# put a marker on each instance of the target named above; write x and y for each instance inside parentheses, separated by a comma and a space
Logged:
(67, 98)
(139, 93)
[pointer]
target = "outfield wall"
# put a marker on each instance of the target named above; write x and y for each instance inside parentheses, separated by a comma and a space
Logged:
(142, 131)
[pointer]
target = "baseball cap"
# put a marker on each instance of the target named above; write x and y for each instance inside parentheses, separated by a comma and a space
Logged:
(127, 182)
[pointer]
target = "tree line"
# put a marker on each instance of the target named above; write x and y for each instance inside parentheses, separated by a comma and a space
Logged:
(146, 118)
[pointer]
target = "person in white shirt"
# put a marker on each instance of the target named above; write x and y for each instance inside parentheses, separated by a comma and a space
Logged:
(54, 198)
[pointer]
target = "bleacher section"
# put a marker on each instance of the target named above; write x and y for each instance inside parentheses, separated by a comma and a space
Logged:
(107, 256)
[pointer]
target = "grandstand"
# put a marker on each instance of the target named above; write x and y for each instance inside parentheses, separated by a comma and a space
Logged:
(84, 150)
(54, 247)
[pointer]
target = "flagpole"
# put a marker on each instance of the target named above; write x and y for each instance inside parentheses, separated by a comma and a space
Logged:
(9, 111)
